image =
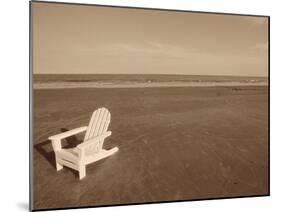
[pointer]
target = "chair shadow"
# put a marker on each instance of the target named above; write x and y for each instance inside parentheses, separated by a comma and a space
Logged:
(43, 147)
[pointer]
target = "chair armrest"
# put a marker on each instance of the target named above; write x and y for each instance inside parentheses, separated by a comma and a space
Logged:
(93, 140)
(68, 133)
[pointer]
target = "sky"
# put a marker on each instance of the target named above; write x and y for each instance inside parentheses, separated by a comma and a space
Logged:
(78, 39)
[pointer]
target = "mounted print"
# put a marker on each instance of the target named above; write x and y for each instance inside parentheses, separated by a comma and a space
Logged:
(136, 105)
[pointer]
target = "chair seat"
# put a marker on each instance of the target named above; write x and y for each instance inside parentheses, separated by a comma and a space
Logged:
(70, 154)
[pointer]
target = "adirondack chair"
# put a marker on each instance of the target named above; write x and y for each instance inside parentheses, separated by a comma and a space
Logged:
(90, 150)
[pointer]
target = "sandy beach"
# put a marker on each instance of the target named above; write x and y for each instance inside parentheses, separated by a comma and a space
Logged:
(177, 143)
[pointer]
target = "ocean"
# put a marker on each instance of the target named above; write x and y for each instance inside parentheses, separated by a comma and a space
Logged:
(59, 81)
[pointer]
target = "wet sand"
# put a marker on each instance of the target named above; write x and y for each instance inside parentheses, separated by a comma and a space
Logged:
(177, 143)
(67, 85)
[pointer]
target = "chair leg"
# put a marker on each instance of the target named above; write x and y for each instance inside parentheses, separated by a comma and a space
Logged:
(58, 166)
(82, 171)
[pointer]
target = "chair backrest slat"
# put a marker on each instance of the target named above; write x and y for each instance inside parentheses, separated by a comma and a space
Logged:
(98, 124)
(92, 124)
(104, 122)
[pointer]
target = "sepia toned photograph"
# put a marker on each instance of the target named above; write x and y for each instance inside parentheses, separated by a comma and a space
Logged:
(136, 106)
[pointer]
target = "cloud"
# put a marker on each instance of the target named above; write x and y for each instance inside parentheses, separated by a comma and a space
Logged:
(259, 21)
(152, 49)
(261, 46)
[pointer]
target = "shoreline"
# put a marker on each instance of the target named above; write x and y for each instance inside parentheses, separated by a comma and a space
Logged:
(69, 85)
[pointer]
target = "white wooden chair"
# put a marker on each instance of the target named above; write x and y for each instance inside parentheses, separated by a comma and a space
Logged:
(90, 150)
